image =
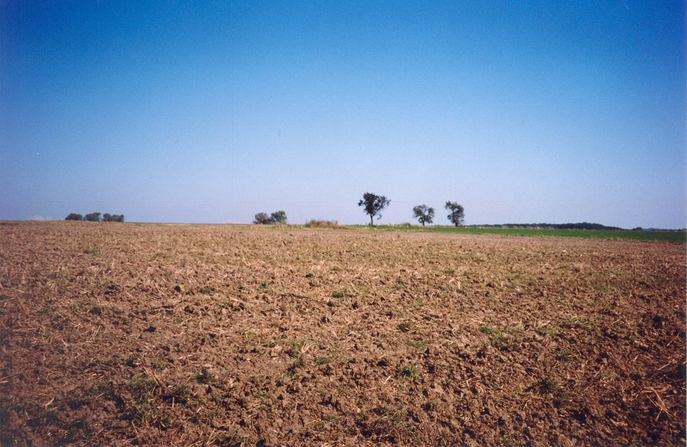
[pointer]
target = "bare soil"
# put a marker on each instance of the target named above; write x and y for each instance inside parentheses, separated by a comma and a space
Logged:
(126, 334)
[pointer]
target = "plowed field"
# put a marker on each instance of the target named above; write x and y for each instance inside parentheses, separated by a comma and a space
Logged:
(126, 334)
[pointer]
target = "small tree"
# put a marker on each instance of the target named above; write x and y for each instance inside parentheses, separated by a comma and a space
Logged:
(373, 205)
(262, 219)
(113, 217)
(74, 216)
(278, 217)
(457, 213)
(423, 214)
(92, 217)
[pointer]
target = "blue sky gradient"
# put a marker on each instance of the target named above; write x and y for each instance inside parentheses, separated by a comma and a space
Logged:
(212, 111)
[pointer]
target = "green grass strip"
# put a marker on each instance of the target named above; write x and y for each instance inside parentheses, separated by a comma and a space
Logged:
(679, 237)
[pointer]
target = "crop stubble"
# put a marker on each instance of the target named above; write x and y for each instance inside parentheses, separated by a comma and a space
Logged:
(129, 334)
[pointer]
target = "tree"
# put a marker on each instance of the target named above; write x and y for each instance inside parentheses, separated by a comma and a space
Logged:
(95, 217)
(92, 217)
(373, 204)
(457, 215)
(113, 217)
(278, 217)
(423, 214)
(262, 219)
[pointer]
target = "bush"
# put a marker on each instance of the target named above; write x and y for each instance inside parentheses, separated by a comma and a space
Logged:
(74, 216)
(313, 223)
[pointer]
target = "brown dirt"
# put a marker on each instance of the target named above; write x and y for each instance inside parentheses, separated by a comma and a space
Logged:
(125, 334)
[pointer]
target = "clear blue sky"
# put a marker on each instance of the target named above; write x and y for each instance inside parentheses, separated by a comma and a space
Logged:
(212, 111)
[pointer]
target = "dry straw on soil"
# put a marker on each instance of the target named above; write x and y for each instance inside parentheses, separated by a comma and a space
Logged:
(314, 223)
(229, 335)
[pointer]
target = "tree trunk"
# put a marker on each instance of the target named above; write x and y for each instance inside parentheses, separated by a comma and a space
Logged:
(372, 222)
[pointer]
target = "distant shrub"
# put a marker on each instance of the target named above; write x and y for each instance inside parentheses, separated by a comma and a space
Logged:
(314, 223)
(74, 216)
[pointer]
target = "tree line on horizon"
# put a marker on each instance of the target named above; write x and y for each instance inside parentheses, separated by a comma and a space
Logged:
(373, 205)
(96, 217)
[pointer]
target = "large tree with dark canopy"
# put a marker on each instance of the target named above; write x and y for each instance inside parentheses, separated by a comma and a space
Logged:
(373, 205)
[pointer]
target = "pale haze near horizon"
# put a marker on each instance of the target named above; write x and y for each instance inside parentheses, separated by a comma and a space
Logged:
(210, 112)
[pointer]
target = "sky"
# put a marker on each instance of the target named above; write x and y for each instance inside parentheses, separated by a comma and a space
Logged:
(212, 111)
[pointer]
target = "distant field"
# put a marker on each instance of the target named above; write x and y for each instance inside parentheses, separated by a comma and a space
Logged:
(657, 236)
